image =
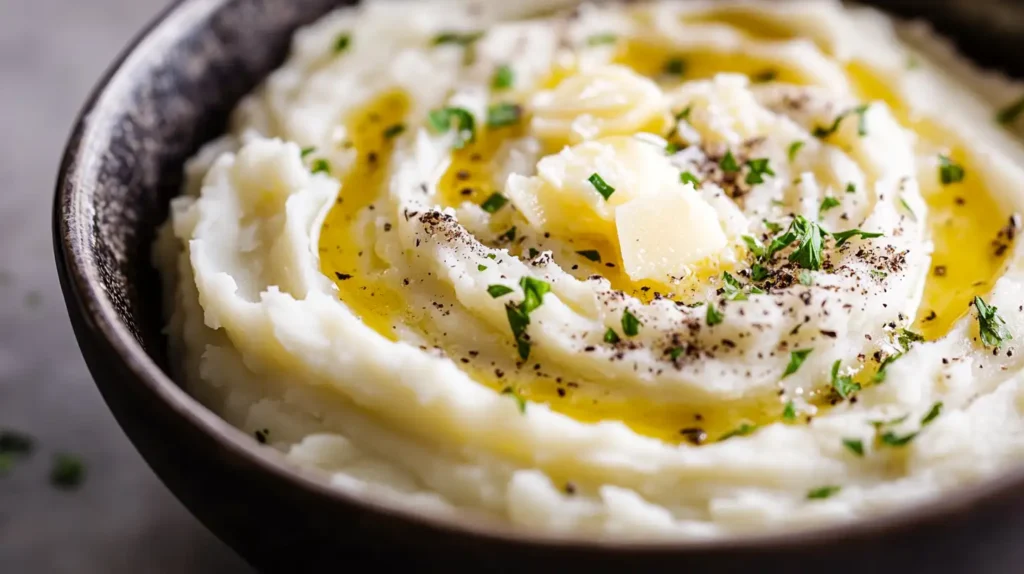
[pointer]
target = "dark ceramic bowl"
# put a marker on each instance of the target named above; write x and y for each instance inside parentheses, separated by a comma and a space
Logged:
(169, 93)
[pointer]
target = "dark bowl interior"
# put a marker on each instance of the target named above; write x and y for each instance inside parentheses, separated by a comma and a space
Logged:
(171, 92)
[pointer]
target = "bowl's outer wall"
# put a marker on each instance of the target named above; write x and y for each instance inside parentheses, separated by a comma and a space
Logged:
(124, 163)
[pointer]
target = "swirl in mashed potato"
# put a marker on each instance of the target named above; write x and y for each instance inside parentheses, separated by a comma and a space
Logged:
(679, 269)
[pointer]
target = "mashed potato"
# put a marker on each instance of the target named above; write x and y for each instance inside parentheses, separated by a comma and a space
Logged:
(649, 270)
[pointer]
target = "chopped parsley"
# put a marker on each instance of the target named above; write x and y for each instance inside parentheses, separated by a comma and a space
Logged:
(688, 177)
(590, 254)
(743, 430)
(854, 445)
(949, 171)
(758, 272)
(503, 78)
(481, 267)
(509, 235)
(501, 115)
(457, 38)
(496, 291)
(599, 184)
(844, 236)
(881, 372)
(862, 128)
(714, 316)
(809, 237)
(732, 289)
(602, 39)
(441, 121)
(932, 414)
(630, 324)
(518, 321)
(393, 131)
(823, 492)
(827, 204)
(67, 471)
(754, 245)
(843, 385)
(306, 151)
(675, 352)
(520, 401)
(789, 412)
(675, 66)
(728, 163)
(890, 438)
(772, 226)
(534, 253)
(991, 326)
(493, 203)
(342, 42)
(1010, 113)
(611, 337)
(794, 148)
(320, 165)
(796, 359)
(913, 216)
(805, 278)
(758, 169)
(850, 188)
(684, 114)
(905, 338)
(534, 291)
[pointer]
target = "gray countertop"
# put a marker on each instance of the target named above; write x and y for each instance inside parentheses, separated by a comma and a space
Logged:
(121, 519)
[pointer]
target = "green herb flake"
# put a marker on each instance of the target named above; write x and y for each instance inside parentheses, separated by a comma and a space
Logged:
(714, 316)
(320, 165)
(991, 326)
(520, 401)
(905, 338)
(827, 204)
(342, 42)
(771, 226)
(758, 272)
(457, 38)
(503, 78)
(602, 39)
(590, 254)
(754, 245)
(675, 352)
(862, 127)
(843, 385)
(728, 163)
(789, 412)
(805, 278)
(1011, 112)
(823, 492)
(599, 184)
(809, 238)
(441, 121)
(913, 216)
(493, 203)
(949, 171)
(881, 373)
(502, 115)
(306, 151)
(794, 148)
(932, 414)
(688, 177)
(854, 445)
(481, 267)
(67, 472)
(844, 236)
(534, 291)
(675, 66)
(796, 359)
(16, 443)
(509, 235)
(850, 188)
(630, 324)
(758, 169)
(393, 131)
(684, 114)
(533, 252)
(743, 430)
(892, 439)
(496, 291)
(518, 320)
(611, 337)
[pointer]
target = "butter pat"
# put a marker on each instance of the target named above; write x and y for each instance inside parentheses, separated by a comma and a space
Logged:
(661, 236)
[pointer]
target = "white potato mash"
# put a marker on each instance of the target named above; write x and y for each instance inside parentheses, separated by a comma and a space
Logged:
(674, 270)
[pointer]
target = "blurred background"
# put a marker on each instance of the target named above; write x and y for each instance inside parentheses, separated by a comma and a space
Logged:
(114, 517)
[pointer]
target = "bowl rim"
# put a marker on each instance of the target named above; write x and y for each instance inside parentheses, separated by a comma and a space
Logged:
(83, 289)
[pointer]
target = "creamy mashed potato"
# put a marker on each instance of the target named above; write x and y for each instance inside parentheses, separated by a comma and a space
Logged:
(647, 270)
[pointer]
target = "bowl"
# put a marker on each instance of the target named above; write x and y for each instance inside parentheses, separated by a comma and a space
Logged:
(169, 93)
